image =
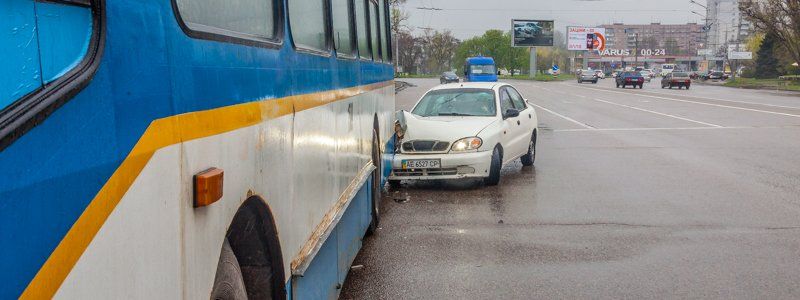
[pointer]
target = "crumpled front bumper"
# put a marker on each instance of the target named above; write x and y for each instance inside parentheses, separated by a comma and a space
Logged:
(454, 166)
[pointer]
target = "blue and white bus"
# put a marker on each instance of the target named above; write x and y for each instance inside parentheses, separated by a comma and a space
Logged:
(187, 149)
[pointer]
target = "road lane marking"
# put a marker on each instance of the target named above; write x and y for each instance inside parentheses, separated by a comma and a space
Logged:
(696, 102)
(584, 125)
(732, 101)
(657, 113)
(670, 128)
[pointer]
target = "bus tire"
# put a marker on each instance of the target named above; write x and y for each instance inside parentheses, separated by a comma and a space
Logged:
(229, 282)
(376, 185)
(494, 168)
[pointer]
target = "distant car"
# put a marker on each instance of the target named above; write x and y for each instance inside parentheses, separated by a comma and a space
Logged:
(448, 77)
(600, 74)
(676, 79)
(631, 78)
(716, 75)
(650, 73)
(469, 131)
(645, 75)
(587, 75)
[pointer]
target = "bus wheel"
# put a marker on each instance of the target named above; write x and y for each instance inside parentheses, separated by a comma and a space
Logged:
(229, 283)
(250, 262)
(376, 184)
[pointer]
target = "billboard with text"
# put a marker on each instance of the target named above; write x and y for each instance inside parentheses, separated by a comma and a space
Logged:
(586, 38)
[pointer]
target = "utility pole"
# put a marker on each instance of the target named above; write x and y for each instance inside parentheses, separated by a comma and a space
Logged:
(532, 68)
(636, 45)
(738, 42)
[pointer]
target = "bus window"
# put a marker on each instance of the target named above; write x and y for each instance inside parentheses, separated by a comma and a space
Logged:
(373, 32)
(307, 20)
(64, 35)
(384, 33)
(248, 18)
(20, 72)
(361, 29)
(47, 41)
(342, 27)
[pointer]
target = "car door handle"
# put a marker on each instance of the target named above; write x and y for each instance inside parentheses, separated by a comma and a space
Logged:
(518, 122)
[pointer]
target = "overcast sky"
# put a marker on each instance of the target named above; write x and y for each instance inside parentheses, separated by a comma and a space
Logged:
(468, 18)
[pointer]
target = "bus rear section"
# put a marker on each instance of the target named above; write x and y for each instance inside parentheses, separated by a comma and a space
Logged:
(480, 69)
(152, 148)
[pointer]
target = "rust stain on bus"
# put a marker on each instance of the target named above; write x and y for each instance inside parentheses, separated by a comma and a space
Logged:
(317, 236)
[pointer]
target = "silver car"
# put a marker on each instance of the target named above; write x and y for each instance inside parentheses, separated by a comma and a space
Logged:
(587, 75)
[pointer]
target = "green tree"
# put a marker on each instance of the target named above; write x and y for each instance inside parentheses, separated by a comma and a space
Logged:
(767, 62)
(495, 44)
(781, 18)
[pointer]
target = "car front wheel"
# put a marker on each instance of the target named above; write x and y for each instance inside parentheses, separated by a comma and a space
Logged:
(494, 169)
(530, 157)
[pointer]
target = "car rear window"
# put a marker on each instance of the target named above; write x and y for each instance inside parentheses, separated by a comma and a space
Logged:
(457, 102)
(680, 74)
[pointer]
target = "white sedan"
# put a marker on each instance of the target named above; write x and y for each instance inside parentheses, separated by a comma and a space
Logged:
(464, 130)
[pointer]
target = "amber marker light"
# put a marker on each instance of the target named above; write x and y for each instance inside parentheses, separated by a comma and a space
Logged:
(208, 187)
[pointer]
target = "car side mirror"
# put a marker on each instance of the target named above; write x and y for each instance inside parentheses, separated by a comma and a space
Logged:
(511, 113)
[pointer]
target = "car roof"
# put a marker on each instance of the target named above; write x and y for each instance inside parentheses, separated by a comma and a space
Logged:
(470, 85)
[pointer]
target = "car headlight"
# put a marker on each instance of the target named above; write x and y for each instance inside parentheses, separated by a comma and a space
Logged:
(467, 144)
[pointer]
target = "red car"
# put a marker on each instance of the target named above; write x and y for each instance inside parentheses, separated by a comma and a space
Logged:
(631, 78)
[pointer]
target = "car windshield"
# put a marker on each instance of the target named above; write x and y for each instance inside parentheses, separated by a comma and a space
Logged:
(449, 74)
(457, 102)
(632, 74)
(482, 69)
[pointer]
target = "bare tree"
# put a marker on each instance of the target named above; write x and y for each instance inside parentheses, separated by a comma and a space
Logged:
(778, 17)
(439, 49)
(397, 21)
(410, 54)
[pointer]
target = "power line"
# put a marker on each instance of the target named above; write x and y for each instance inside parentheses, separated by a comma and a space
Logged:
(549, 10)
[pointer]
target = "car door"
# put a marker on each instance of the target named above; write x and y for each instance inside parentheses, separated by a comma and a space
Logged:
(527, 119)
(513, 142)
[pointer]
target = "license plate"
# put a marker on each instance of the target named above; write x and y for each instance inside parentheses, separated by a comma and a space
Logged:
(422, 163)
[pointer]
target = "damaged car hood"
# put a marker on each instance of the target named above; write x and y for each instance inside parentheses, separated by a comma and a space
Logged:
(443, 128)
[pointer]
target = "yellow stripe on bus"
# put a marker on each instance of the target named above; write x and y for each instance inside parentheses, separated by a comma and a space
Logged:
(162, 133)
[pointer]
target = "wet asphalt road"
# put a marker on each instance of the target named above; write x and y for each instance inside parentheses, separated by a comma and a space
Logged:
(636, 194)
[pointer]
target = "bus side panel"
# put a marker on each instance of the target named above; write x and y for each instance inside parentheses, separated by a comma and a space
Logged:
(137, 253)
(328, 270)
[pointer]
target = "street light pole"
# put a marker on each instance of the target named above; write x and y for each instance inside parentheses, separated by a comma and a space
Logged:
(636, 55)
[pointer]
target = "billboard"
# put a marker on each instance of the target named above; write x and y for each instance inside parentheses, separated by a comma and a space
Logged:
(740, 55)
(531, 33)
(586, 38)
